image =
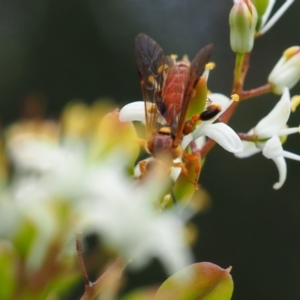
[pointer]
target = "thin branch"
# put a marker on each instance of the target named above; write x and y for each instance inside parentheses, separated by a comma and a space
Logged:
(81, 261)
(110, 279)
(267, 88)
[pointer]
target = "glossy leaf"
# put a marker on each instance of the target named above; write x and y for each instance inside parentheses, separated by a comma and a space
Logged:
(141, 294)
(200, 281)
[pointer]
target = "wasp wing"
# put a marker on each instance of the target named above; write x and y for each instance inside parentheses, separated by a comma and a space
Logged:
(152, 65)
(196, 69)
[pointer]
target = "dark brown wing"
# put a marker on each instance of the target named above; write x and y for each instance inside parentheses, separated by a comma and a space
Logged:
(196, 69)
(152, 67)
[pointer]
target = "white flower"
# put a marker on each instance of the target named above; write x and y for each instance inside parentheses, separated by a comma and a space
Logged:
(97, 197)
(268, 132)
(219, 132)
(286, 72)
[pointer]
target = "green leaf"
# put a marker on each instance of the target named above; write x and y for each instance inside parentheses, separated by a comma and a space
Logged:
(25, 237)
(141, 294)
(7, 270)
(198, 102)
(200, 281)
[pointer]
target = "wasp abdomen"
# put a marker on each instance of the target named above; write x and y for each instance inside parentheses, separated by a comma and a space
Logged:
(174, 89)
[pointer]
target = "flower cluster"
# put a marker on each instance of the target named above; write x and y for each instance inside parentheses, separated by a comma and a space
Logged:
(248, 20)
(80, 174)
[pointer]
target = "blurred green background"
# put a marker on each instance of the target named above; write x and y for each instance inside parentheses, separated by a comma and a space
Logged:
(83, 49)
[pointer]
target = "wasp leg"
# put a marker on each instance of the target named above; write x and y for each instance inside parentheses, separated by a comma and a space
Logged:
(190, 169)
(193, 165)
(190, 124)
(143, 166)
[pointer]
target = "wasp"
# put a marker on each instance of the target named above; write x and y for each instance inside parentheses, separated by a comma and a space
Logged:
(167, 88)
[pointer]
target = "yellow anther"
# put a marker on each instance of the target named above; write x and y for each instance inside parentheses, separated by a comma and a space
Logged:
(151, 109)
(151, 79)
(174, 57)
(295, 101)
(162, 68)
(290, 52)
(235, 97)
(210, 66)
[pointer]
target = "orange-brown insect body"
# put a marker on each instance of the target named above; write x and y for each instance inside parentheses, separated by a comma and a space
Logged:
(174, 89)
(162, 144)
(169, 87)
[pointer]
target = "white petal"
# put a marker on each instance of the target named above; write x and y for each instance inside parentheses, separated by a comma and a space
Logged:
(134, 111)
(267, 12)
(273, 148)
(276, 119)
(200, 142)
(276, 16)
(287, 131)
(248, 150)
(222, 134)
(291, 155)
(281, 166)
(220, 99)
(186, 140)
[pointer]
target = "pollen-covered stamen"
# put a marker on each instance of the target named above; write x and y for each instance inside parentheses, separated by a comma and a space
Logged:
(174, 57)
(208, 67)
(295, 101)
(235, 97)
(290, 52)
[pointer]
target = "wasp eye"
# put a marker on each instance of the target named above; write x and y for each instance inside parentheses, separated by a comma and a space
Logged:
(210, 112)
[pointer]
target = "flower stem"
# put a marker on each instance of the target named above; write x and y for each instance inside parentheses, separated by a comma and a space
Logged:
(240, 71)
(256, 92)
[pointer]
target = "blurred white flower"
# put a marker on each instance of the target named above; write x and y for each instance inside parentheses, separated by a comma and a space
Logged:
(98, 196)
(267, 135)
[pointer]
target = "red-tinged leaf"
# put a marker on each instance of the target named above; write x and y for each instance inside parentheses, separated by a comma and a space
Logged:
(200, 281)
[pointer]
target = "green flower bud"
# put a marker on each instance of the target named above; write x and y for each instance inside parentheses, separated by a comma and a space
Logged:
(242, 21)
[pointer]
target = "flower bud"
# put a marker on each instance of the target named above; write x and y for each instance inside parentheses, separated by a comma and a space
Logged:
(242, 21)
(286, 72)
(261, 8)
